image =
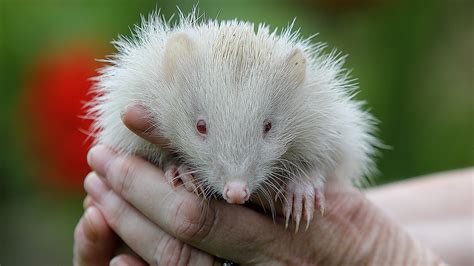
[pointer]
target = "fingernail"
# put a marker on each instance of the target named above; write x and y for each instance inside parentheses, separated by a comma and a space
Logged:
(99, 158)
(136, 117)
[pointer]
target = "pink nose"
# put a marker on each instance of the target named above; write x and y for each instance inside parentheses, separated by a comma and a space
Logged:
(236, 192)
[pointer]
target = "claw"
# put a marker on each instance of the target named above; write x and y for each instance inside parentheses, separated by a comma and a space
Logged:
(186, 178)
(287, 212)
(308, 210)
(297, 222)
(171, 175)
(287, 219)
(308, 221)
(287, 208)
(189, 186)
(300, 202)
(319, 199)
(188, 183)
(177, 176)
(297, 210)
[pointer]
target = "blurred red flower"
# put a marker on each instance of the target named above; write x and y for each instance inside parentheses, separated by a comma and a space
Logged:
(58, 86)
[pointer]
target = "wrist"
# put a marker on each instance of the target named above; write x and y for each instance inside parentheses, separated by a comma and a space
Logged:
(354, 231)
(388, 244)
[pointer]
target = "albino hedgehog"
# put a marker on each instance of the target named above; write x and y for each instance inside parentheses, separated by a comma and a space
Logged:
(247, 112)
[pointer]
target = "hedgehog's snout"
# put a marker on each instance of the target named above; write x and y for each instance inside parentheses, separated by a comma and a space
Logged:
(236, 192)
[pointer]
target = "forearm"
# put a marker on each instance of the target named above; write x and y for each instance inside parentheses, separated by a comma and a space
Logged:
(380, 241)
(435, 209)
(392, 245)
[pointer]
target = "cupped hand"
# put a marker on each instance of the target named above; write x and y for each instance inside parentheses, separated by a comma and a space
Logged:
(165, 226)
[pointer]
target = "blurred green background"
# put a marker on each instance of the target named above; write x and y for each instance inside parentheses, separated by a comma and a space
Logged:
(412, 59)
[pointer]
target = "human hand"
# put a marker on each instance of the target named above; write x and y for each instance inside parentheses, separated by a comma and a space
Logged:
(95, 243)
(161, 224)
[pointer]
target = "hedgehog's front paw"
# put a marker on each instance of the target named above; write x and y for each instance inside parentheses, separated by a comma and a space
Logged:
(300, 200)
(179, 176)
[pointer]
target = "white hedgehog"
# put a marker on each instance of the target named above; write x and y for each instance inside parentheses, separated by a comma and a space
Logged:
(247, 112)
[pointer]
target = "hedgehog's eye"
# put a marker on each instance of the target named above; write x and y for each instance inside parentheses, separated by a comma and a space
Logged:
(201, 127)
(267, 125)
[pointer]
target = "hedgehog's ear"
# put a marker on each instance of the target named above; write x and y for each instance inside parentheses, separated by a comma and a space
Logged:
(178, 48)
(296, 66)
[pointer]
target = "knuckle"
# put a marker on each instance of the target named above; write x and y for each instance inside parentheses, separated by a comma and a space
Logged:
(122, 175)
(118, 210)
(193, 221)
(169, 251)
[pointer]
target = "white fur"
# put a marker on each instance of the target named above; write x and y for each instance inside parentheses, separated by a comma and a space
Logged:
(235, 76)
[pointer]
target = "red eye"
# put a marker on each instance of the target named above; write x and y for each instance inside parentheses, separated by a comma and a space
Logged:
(267, 125)
(201, 127)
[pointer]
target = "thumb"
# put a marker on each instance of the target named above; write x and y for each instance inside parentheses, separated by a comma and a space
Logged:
(137, 119)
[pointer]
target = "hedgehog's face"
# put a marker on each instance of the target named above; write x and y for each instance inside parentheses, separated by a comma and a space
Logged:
(233, 150)
(231, 126)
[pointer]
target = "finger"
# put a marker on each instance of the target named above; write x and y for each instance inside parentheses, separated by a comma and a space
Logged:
(87, 202)
(218, 229)
(138, 232)
(114, 209)
(94, 241)
(127, 260)
(137, 119)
